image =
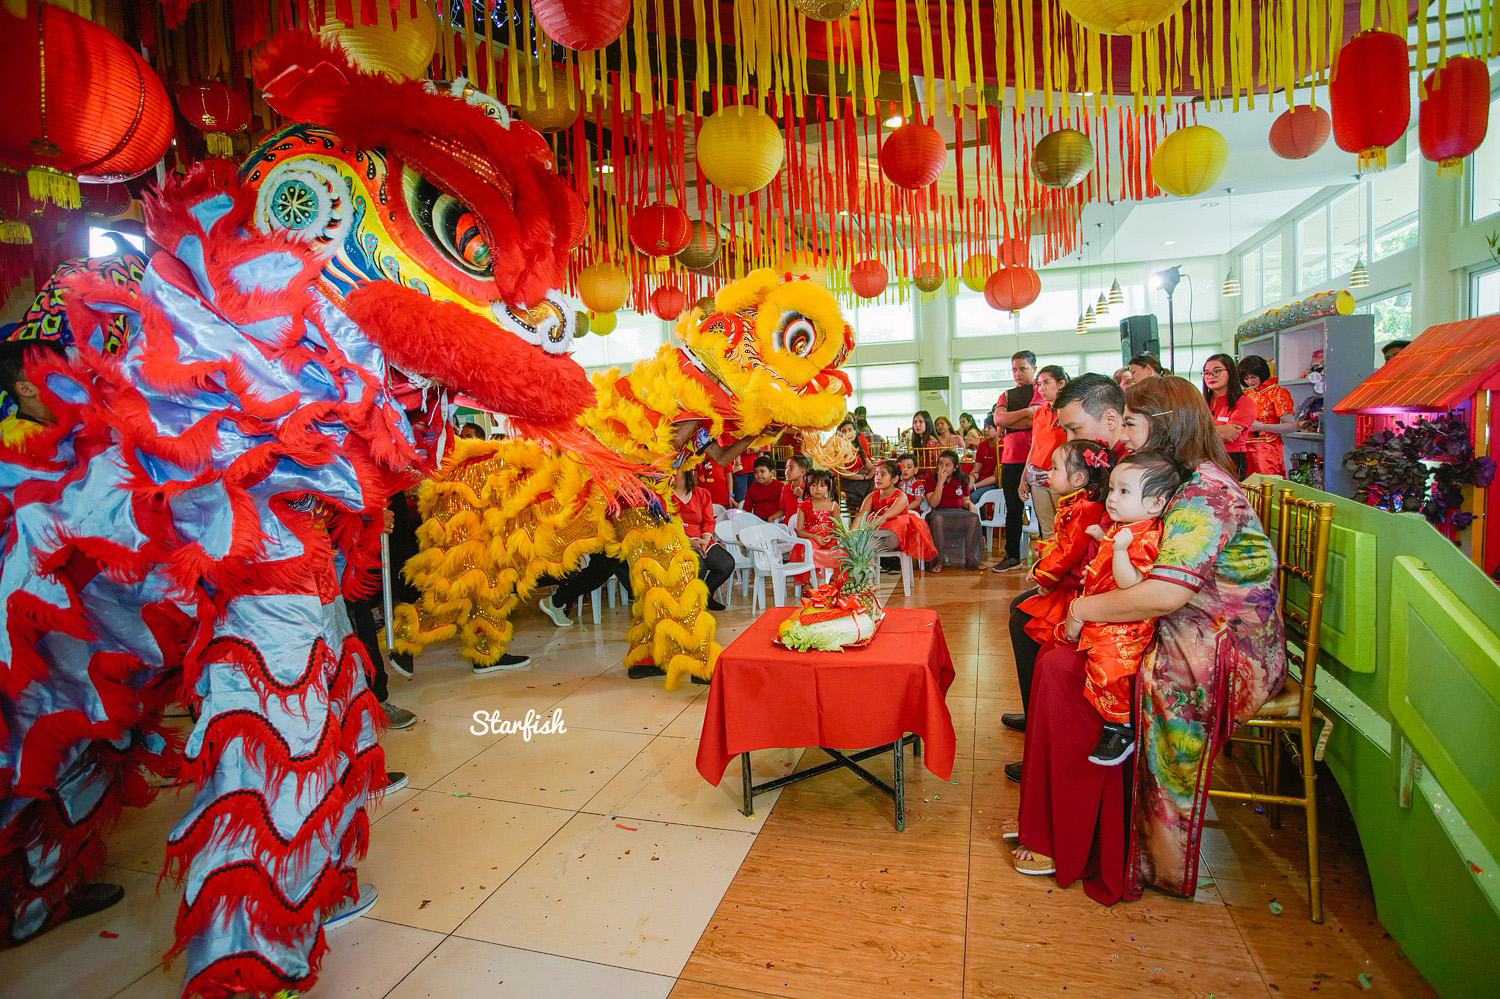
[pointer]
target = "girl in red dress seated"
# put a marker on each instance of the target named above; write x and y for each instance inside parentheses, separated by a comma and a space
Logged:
(886, 509)
(816, 516)
(1078, 479)
(1139, 490)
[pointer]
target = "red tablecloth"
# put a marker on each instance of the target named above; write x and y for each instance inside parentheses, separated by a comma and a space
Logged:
(767, 697)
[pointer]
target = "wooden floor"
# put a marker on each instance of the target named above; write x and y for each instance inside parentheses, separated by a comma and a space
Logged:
(832, 902)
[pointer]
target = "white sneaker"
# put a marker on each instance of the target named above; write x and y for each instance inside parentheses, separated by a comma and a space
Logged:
(557, 614)
(352, 909)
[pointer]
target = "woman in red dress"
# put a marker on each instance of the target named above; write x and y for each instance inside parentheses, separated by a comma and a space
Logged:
(1078, 478)
(1275, 414)
(886, 509)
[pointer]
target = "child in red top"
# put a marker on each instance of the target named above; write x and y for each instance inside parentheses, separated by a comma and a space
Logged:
(1139, 490)
(1078, 479)
(817, 514)
(887, 509)
(795, 486)
(912, 482)
(763, 496)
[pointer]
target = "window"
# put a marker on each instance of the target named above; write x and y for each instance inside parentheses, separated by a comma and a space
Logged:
(1483, 169)
(981, 382)
(1393, 210)
(1056, 309)
(100, 245)
(893, 323)
(1347, 215)
(1484, 292)
(1312, 249)
(1270, 271)
(888, 392)
(1392, 319)
(972, 316)
(635, 338)
(1260, 276)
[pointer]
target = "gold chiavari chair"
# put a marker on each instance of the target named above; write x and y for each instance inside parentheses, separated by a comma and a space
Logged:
(1260, 500)
(927, 458)
(779, 454)
(1287, 720)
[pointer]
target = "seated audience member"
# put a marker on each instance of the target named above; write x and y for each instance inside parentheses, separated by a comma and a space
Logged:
(912, 482)
(763, 496)
(694, 507)
(795, 486)
(1390, 350)
(946, 435)
(987, 462)
(1232, 409)
(1144, 366)
(1122, 376)
(862, 426)
(953, 517)
(969, 430)
(888, 510)
(854, 481)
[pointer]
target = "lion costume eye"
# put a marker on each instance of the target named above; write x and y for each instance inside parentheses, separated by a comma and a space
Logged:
(796, 335)
(450, 225)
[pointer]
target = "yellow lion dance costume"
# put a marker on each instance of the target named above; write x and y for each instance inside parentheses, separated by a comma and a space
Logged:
(502, 514)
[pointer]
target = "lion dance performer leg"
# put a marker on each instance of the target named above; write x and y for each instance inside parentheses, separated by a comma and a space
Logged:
(766, 358)
(190, 525)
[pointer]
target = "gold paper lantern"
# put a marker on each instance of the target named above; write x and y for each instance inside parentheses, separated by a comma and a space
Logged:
(603, 323)
(603, 287)
(740, 149)
(1062, 158)
(702, 250)
(1189, 161)
(977, 270)
(553, 109)
(928, 276)
(1121, 17)
(828, 10)
(402, 52)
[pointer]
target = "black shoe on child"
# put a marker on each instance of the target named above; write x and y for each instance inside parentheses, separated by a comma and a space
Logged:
(1115, 745)
(714, 605)
(1016, 722)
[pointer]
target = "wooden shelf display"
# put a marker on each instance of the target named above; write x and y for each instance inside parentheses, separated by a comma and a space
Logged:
(1348, 346)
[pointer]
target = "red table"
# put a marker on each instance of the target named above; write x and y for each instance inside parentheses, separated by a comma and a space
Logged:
(767, 697)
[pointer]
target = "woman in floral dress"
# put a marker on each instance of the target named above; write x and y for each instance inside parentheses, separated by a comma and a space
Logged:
(1219, 654)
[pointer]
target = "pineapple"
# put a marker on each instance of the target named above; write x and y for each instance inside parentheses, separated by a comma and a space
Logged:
(858, 561)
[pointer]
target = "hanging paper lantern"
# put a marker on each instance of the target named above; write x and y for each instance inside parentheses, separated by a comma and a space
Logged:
(1062, 158)
(604, 287)
(603, 323)
(105, 201)
(1371, 96)
(1015, 252)
(1121, 17)
(977, 270)
(828, 10)
(1189, 161)
(1455, 115)
(868, 278)
(582, 25)
(16, 209)
(99, 115)
(912, 156)
(401, 50)
(1300, 131)
(1011, 289)
(668, 302)
(740, 149)
(660, 230)
(221, 172)
(552, 109)
(702, 249)
(216, 111)
(928, 276)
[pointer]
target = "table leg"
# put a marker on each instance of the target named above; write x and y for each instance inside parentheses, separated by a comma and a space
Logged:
(916, 747)
(749, 788)
(896, 778)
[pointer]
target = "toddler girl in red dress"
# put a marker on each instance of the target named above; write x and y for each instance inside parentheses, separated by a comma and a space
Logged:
(816, 516)
(1139, 490)
(1078, 479)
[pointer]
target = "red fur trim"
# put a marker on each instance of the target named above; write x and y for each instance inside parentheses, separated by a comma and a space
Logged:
(251, 974)
(446, 341)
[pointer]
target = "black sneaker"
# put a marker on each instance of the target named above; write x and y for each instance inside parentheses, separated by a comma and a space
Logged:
(1006, 565)
(94, 898)
(1013, 771)
(1015, 722)
(506, 661)
(1115, 745)
(401, 662)
(642, 670)
(395, 780)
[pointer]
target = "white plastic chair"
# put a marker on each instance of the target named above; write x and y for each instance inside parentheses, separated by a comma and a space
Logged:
(727, 531)
(720, 512)
(764, 543)
(994, 519)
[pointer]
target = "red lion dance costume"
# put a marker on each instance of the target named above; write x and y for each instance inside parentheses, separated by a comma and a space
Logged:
(189, 527)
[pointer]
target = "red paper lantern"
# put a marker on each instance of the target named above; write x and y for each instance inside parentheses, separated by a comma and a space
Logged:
(1371, 96)
(1453, 118)
(105, 200)
(868, 278)
(1014, 252)
(668, 302)
(582, 25)
(1011, 289)
(221, 172)
(217, 112)
(912, 156)
(1300, 132)
(660, 230)
(100, 114)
